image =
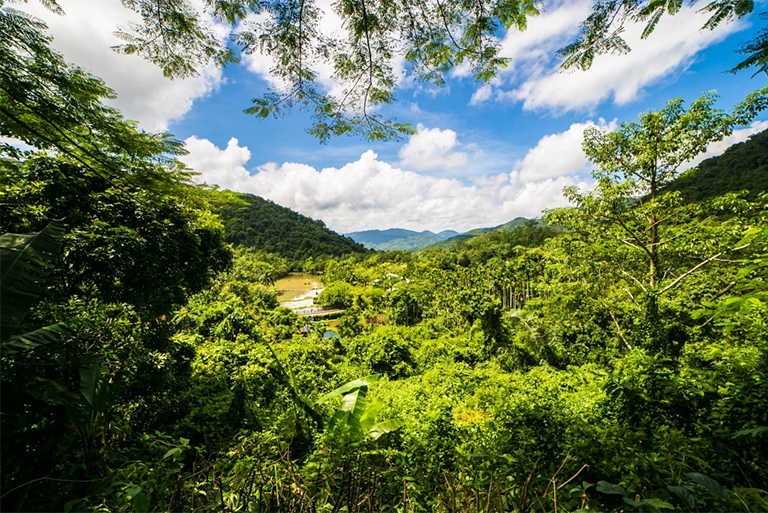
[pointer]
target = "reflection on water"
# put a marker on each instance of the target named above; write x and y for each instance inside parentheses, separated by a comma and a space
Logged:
(298, 290)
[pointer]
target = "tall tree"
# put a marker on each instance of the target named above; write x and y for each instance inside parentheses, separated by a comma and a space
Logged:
(635, 163)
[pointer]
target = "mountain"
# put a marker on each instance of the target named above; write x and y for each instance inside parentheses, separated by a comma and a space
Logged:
(743, 166)
(254, 222)
(508, 226)
(395, 239)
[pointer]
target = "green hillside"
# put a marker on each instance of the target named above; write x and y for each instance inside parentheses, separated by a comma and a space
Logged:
(743, 166)
(254, 222)
(471, 234)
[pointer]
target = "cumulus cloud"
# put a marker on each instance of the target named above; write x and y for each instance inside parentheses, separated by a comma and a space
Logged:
(558, 155)
(432, 148)
(85, 36)
(225, 168)
(533, 79)
(369, 193)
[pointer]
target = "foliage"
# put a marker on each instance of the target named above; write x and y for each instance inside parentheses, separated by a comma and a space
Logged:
(50, 104)
(262, 225)
(535, 368)
(601, 32)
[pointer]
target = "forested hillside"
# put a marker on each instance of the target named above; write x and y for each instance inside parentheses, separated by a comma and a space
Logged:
(742, 167)
(616, 363)
(251, 221)
(508, 226)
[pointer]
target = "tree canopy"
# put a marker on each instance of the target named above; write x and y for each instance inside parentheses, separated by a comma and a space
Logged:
(431, 37)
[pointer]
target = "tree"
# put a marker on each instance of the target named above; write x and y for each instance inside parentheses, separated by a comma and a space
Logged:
(433, 36)
(52, 105)
(601, 31)
(635, 163)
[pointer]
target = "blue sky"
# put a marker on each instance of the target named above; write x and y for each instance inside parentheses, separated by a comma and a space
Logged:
(483, 154)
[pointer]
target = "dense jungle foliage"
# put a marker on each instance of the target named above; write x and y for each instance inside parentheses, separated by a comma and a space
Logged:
(614, 363)
(258, 223)
(520, 370)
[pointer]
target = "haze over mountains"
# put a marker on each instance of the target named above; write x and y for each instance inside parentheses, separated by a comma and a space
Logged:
(395, 239)
(399, 238)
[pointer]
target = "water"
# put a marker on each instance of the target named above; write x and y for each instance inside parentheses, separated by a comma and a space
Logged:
(298, 290)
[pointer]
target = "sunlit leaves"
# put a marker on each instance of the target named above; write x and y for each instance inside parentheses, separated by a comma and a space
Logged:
(52, 105)
(601, 32)
(433, 36)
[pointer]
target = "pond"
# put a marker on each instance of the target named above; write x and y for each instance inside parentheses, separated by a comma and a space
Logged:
(298, 290)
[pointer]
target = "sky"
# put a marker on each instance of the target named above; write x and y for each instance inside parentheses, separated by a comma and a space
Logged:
(483, 154)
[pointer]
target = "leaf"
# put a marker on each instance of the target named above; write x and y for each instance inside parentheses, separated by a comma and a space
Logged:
(656, 503)
(708, 483)
(349, 387)
(25, 261)
(653, 503)
(71, 504)
(369, 415)
(89, 375)
(610, 488)
(382, 428)
(141, 503)
(685, 494)
(172, 453)
(36, 338)
(355, 404)
(750, 432)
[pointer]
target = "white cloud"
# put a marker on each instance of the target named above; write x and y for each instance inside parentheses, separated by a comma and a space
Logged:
(225, 168)
(558, 155)
(369, 193)
(557, 26)
(533, 76)
(483, 94)
(85, 37)
(432, 148)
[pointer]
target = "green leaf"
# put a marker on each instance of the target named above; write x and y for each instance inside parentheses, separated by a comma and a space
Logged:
(172, 453)
(369, 415)
(36, 338)
(349, 387)
(141, 503)
(610, 488)
(25, 261)
(750, 432)
(656, 503)
(71, 504)
(708, 483)
(685, 494)
(384, 427)
(89, 375)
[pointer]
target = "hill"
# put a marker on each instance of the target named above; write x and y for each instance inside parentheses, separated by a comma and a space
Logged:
(743, 166)
(508, 226)
(252, 221)
(395, 239)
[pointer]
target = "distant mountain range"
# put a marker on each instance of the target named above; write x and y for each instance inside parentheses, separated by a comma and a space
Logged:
(395, 239)
(399, 239)
(255, 222)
